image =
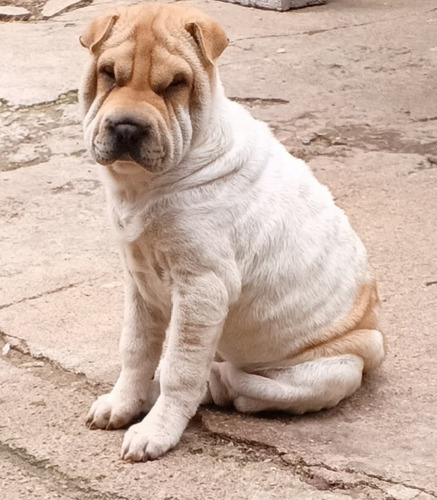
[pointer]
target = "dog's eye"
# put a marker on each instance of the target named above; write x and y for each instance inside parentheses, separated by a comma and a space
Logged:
(108, 72)
(177, 83)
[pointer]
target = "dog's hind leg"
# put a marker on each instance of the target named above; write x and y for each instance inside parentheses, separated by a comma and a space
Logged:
(307, 386)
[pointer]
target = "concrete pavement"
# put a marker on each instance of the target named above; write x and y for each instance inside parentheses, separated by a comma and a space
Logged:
(349, 86)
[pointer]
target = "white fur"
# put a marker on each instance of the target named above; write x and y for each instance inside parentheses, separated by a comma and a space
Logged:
(240, 250)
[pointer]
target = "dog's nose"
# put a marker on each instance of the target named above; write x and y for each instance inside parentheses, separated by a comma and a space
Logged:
(128, 135)
(124, 138)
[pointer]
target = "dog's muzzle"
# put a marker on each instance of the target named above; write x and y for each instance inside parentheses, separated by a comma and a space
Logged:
(127, 137)
(123, 139)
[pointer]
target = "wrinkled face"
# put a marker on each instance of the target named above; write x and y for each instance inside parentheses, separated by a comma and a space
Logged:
(147, 90)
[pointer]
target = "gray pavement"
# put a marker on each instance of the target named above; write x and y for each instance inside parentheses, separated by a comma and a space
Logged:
(350, 86)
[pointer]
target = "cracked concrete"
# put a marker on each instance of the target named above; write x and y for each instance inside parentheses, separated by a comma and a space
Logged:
(350, 87)
(202, 466)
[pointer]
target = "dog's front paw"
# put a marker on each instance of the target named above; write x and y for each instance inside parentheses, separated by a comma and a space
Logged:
(112, 412)
(148, 440)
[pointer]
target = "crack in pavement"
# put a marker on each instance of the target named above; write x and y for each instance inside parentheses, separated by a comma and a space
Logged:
(320, 31)
(35, 11)
(43, 294)
(79, 4)
(30, 131)
(20, 355)
(303, 468)
(260, 101)
(69, 97)
(51, 476)
(371, 476)
(368, 138)
(311, 473)
(424, 120)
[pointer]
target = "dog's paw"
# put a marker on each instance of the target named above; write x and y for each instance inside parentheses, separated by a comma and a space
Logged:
(249, 405)
(111, 412)
(147, 441)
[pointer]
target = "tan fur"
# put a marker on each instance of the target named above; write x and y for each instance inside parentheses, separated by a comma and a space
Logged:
(98, 32)
(132, 70)
(351, 335)
(158, 66)
(211, 39)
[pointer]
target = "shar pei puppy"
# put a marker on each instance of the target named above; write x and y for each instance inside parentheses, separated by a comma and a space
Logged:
(244, 281)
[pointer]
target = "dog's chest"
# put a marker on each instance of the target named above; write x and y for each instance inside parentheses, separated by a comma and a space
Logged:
(149, 274)
(137, 231)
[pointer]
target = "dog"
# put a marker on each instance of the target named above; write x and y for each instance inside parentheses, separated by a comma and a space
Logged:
(229, 245)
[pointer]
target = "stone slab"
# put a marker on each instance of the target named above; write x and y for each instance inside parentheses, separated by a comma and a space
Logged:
(12, 12)
(53, 229)
(47, 452)
(53, 7)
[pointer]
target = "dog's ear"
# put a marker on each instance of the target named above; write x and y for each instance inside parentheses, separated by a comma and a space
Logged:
(210, 37)
(98, 31)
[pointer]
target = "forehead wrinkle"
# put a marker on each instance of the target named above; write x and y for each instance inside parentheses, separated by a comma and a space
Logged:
(142, 54)
(172, 52)
(165, 65)
(171, 32)
(123, 64)
(158, 51)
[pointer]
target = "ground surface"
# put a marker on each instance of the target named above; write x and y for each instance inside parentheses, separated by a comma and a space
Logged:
(349, 86)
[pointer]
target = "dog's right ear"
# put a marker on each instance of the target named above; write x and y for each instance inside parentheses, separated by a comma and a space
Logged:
(98, 31)
(209, 36)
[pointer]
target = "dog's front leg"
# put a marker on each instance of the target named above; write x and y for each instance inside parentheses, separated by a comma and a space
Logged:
(199, 309)
(140, 349)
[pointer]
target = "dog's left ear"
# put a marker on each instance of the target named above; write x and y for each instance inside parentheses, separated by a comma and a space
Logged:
(98, 31)
(210, 37)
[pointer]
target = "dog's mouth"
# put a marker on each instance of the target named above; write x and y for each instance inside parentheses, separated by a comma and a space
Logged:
(149, 160)
(127, 141)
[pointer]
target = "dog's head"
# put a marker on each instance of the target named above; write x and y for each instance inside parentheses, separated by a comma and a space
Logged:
(148, 88)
